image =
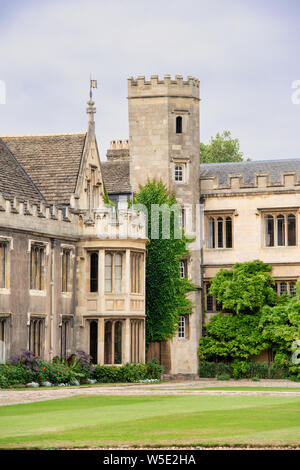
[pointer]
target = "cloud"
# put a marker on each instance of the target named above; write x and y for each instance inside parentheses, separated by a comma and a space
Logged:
(243, 53)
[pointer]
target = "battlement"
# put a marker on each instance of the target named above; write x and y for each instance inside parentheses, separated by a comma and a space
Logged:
(37, 216)
(178, 87)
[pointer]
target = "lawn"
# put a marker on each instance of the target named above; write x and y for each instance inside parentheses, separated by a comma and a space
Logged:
(151, 421)
(242, 389)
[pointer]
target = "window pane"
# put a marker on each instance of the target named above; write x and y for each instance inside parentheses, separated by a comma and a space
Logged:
(269, 231)
(220, 232)
(280, 230)
(228, 232)
(108, 272)
(178, 173)
(107, 343)
(94, 272)
(209, 299)
(283, 288)
(2, 264)
(118, 343)
(118, 272)
(211, 233)
(179, 125)
(181, 328)
(291, 227)
(292, 289)
(182, 269)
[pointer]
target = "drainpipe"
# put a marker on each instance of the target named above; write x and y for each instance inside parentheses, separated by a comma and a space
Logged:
(52, 305)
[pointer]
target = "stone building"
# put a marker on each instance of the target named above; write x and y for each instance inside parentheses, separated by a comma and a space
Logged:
(73, 270)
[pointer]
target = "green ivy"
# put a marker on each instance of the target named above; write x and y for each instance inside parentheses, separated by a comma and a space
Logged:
(165, 291)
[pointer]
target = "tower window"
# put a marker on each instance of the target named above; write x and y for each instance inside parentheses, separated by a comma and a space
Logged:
(179, 125)
(179, 173)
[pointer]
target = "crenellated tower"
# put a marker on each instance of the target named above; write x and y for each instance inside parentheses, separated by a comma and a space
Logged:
(164, 144)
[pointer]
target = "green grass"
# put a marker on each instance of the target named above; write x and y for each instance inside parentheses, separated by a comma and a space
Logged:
(251, 389)
(151, 421)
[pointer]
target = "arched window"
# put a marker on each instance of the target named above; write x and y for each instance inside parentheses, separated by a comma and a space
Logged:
(228, 232)
(291, 230)
(220, 232)
(178, 173)
(269, 230)
(179, 125)
(280, 230)
(94, 272)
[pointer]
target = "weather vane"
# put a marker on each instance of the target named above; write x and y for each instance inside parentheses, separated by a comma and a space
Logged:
(93, 84)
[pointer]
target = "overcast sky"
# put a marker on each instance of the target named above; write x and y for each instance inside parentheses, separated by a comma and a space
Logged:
(245, 53)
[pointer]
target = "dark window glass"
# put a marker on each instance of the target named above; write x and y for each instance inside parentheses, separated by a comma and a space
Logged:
(291, 228)
(108, 343)
(292, 289)
(94, 341)
(94, 273)
(228, 232)
(118, 343)
(280, 230)
(283, 288)
(220, 232)
(209, 299)
(269, 230)
(179, 125)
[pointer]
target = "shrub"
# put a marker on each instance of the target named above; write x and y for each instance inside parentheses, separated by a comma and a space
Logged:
(128, 372)
(239, 369)
(14, 375)
(154, 370)
(257, 369)
(29, 361)
(55, 373)
(222, 368)
(207, 369)
(223, 377)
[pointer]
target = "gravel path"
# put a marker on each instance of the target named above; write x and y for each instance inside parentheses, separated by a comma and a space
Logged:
(10, 397)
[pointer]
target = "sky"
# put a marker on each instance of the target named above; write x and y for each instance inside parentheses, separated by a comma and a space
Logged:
(245, 54)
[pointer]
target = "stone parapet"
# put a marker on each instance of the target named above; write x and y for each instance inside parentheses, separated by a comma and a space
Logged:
(141, 88)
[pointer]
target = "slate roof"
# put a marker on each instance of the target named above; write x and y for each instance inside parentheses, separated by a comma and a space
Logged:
(14, 182)
(51, 161)
(249, 169)
(116, 176)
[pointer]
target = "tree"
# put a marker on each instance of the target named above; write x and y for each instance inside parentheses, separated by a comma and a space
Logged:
(165, 290)
(244, 288)
(222, 148)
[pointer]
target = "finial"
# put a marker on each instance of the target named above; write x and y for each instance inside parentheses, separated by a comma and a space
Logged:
(91, 109)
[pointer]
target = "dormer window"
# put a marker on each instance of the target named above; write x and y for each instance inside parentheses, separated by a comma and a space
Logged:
(179, 125)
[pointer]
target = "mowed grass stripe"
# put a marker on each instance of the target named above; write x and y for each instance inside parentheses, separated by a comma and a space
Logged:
(103, 421)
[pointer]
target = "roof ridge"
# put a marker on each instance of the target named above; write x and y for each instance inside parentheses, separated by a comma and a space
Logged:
(279, 160)
(43, 135)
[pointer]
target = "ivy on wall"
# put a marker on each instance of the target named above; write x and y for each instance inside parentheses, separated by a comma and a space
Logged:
(166, 292)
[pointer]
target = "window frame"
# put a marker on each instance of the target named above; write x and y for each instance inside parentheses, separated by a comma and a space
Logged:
(113, 280)
(216, 238)
(136, 272)
(279, 240)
